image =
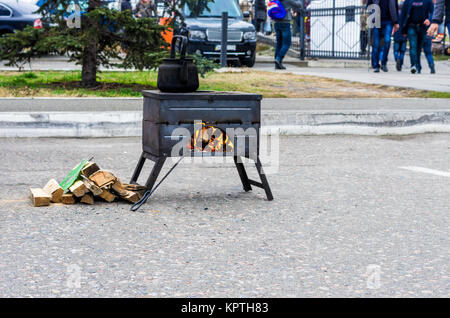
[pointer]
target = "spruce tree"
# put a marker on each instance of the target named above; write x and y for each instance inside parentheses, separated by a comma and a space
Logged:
(97, 40)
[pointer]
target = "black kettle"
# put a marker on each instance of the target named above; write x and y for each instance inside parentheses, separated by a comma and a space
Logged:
(178, 75)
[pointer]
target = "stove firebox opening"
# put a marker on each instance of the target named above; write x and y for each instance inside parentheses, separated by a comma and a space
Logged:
(208, 138)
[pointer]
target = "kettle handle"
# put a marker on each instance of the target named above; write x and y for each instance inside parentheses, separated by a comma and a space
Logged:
(183, 46)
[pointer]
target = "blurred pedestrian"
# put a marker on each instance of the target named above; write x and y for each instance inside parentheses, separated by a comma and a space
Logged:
(399, 49)
(389, 22)
(260, 15)
(125, 5)
(442, 8)
(427, 44)
(416, 18)
(364, 31)
(399, 44)
(283, 31)
(146, 9)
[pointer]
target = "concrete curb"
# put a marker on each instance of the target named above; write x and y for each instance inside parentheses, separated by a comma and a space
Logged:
(324, 63)
(354, 130)
(128, 123)
(70, 124)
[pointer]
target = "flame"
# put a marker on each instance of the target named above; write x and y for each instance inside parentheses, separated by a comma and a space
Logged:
(210, 139)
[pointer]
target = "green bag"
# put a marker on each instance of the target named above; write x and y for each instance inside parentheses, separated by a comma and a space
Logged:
(73, 175)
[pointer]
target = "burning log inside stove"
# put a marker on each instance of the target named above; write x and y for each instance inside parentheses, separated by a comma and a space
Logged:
(210, 139)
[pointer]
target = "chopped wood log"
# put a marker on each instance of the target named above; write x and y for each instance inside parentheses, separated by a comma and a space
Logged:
(131, 196)
(107, 196)
(79, 189)
(68, 198)
(89, 169)
(91, 186)
(134, 187)
(118, 188)
(103, 178)
(53, 188)
(139, 189)
(40, 197)
(88, 198)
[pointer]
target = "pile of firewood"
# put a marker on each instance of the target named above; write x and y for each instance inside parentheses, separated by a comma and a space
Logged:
(92, 184)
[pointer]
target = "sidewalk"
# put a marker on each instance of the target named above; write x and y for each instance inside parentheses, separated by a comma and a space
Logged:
(98, 117)
(435, 82)
(360, 71)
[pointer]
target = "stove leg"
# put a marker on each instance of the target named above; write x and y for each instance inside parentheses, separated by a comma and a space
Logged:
(138, 170)
(264, 181)
(242, 173)
(155, 173)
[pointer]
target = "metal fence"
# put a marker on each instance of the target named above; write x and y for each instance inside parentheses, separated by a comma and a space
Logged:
(334, 32)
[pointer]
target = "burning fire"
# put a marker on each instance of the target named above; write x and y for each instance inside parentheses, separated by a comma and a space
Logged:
(210, 139)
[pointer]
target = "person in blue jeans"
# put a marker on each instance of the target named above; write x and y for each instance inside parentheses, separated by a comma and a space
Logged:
(284, 41)
(389, 22)
(399, 49)
(418, 40)
(427, 44)
(283, 32)
(416, 18)
(399, 44)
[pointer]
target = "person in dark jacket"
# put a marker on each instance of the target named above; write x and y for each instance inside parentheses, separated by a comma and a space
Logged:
(283, 32)
(442, 8)
(260, 15)
(125, 5)
(389, 21)
(416, 18)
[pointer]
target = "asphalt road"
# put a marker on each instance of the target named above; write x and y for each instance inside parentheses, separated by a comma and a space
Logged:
(347, 220)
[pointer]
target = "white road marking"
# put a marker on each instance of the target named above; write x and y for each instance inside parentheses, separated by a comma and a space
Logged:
(426, 170)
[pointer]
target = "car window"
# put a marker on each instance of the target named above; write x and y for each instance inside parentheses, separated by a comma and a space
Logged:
(4, 11)
(35, 2)
(215, 9)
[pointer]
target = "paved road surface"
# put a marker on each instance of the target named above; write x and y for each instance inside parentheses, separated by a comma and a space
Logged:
(347, 220)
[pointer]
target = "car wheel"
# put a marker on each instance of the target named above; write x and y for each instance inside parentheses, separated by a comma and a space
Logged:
(251, 61)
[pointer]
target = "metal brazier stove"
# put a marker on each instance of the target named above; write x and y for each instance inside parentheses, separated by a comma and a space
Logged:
(202, 124)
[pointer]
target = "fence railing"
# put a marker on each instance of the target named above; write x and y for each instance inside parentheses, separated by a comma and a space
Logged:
(336, 32)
